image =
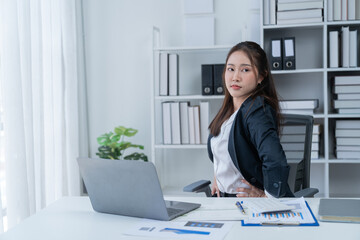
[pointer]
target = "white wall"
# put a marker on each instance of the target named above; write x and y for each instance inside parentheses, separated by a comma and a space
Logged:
(118, 48)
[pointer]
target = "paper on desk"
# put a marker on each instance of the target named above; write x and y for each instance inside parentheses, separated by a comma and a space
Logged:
(181, 230)
(214, 213)
(300, 214)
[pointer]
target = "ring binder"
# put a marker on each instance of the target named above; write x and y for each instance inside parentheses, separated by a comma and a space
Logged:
(275, 57)
(218, 85)
(207, 79)
(289, 53)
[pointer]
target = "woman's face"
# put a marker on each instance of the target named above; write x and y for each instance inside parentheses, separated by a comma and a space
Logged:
(240, 77)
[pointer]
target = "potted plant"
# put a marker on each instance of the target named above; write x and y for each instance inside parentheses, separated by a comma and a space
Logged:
(113, 146)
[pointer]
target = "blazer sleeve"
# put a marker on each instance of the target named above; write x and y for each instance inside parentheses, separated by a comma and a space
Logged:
(262, 130)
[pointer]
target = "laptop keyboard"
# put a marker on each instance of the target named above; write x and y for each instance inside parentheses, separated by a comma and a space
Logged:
(173, 211)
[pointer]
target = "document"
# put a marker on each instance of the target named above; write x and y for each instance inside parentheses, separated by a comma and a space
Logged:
(211, 212)
(180, 230)
(301, 215)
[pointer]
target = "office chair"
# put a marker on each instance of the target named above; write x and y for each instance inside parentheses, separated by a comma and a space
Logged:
(299, 176)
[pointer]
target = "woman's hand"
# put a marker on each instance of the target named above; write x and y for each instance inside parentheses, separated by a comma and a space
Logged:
(214, 188)
(250, 192)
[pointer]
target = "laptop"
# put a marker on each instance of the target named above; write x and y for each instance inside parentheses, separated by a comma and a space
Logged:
(128, 187)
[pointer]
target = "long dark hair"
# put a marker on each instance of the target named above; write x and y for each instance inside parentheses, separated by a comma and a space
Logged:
(266, 89)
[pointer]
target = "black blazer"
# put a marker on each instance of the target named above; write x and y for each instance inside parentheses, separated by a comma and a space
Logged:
(254, 147)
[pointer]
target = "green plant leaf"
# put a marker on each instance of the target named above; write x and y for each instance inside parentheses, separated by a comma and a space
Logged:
(104, 139)
(120, 130)
(136, 156)
(129, 132)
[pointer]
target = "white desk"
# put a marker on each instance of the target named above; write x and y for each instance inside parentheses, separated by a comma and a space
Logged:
(74, 218)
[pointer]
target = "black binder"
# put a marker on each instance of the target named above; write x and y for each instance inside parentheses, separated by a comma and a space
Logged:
(276, 54)
(289, 53)
(207, 79)
(218, 84)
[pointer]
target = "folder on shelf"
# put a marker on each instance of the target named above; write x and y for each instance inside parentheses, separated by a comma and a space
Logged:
(289, 53)
(175, 123)
(217, 77)
(164, 74)
(334, 49)
(276, 56)
(173, 75)
(166, 122)
(207, 82)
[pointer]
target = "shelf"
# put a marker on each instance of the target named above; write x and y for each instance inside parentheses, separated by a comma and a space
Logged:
(305, 25)
(186, 97)
(311, 70)
(349, 69)
(337, 115)
(184, 146)
(193, 48)
(349, 161)
(336, 23)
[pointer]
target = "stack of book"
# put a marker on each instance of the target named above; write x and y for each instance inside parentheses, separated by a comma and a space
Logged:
(169, 74)
(347, 94)
(343, 10)
(306, 107)
(299, 11)
(293, 138)
(185, 124)
(343, 48)
(347, 134)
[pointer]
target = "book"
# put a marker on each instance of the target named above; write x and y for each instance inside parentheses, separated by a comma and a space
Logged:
(191, 125)
(348, 154)
(204, 122)
(173, 75)
(330, 10)
(286, 6)
(175, 123)
(297, 138)
(272, 14)
(348, 96)
(344, 15)
(266, 12)
(337, 10)
(339, 210)
(292, 155)
(298, 111)
(350, 141)
(166, 121)
(346, 103)
(353, 48)
(300, 129)
(345, 46)
(347, 132)
(347, 89)
(299, 104)
(346, 124)
(357, 11)
(347, 80)
(184, 122)
(351, 10)
(299, 14)
(298, 146)
(348, 148)
(348, 110)
(164, 77)
(197, 124)
(299, 21)
(334, 48)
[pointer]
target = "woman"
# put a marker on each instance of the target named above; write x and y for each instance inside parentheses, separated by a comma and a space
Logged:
(244, 142)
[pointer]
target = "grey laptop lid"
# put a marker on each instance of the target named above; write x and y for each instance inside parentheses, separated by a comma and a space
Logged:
(128, 187)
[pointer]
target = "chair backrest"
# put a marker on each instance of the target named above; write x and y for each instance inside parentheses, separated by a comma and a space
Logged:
(296, 138)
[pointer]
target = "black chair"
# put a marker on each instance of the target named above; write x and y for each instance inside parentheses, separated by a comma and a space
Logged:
(299, 177)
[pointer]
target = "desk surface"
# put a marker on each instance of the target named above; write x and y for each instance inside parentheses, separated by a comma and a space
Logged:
(74, 218)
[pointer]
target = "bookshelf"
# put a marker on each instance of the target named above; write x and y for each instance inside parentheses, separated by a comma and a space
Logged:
(313, 79)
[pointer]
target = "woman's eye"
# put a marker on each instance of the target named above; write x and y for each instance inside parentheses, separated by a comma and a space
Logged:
(230, 69)
(245, 70)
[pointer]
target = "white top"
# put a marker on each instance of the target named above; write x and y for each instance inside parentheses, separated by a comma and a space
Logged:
(228, 177)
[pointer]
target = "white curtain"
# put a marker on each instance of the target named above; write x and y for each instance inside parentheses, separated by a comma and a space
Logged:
(43, 83)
